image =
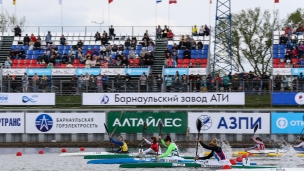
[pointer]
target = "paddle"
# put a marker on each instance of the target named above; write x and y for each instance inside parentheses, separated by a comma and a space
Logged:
(143, 132)
(198, 127)
(254, 130)
(108, 134)
(303, 128)
(160, 128)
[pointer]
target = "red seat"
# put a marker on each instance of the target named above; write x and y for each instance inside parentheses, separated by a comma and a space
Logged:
(275, 61)
(81, 65)
(28, 61)
(131, 61)
(179, 65)
(294, 60)
(76, 61)
(137, 61)
(39, 65)
(281, 65)
(34, 61)
(296, 66)
(21, 61)
(180, 61)
(199, 61)
(14, 66)
(186, 61)
(275, 65)
(63, 65)
(15, 61)
(186, 66)
(204, 61)
(204, 65)
(193, 61)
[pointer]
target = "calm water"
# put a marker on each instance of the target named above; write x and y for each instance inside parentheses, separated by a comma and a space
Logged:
(50, 160)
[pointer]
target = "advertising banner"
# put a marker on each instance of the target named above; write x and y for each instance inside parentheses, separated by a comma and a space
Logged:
(288, 98)
(40, 72)
(163, 98)
(195, 71)
(287, 123)
(232, 123)
(297, 71)
(11, 122)
(65, 122)
(113, 71)
(172, 71)
(60, 71)
(17, 72)
(90, 71)
(281, 71)
(132, 122)
(27, 99)
(137, 71)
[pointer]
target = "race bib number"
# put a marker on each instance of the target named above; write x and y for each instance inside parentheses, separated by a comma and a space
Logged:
(178, 164)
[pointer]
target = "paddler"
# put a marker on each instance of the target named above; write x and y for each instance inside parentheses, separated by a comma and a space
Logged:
(301, 145)
(123, 145)
(259, 144)
(172, 148)
(216, 151)
(154, 148)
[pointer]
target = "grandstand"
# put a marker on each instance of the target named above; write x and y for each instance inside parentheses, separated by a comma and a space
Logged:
(199, 57)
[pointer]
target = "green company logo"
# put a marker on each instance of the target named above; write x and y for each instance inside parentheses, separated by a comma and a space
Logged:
(132, 122)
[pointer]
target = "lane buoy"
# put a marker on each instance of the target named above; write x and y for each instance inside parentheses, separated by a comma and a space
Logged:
(41, 152)
(239, 159)
(63, 150)
(18, 153)
(226, 167)
(250, 154)
(81, 148)
(244, 156)
(233, 162)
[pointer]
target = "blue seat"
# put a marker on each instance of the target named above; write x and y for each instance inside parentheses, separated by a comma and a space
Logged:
(91, 46)
(85, 47)
(67, 47)
(84, 51)
(137, 51)
(205, 56)
(60, 47)
(281, 55)
(199, 56)
(282, 46)
(97, 47)
(36, 52)
(14, 47)
(181, 52)
(206, 46)
(275, 46)
(206, 51)
(282, 50)
(180, 56)
(170, 47)
(194, 56)
(139, 47)
(20, 47)
(35, 56)
(113, 56)
(25, 47)
(60, 51)
(200, 52)
(275, 55)
(193, 52)
(127, 52)
(29, 52)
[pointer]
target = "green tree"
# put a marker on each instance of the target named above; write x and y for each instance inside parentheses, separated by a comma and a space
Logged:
(9, 21)
(295, 18)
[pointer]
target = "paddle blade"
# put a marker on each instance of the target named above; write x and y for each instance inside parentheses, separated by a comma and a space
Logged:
(160, 127)
(256, 128)
(106, 128)
(198, 125)
(144, 127)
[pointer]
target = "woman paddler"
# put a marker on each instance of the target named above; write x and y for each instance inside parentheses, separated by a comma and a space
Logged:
(301, 145)
(123, 145)
(216, 151)
(172, 148)
(259, 144)
(154, 148)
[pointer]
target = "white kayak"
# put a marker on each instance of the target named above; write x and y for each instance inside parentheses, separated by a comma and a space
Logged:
(83, 154)
(266, 151)
(267, 169)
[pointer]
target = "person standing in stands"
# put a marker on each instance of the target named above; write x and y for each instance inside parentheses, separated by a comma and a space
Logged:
(187, 54)
(26, 40)
(17, 31)
(165, 32)
(111, 31)
(105, 80)
(48, 38)
(158, 32)
(24, 82)
(194, 31)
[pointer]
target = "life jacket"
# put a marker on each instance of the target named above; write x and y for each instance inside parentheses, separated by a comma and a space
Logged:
(175, 152)
(155, 147)
(261, 146)
(124, 148)
(220, 155)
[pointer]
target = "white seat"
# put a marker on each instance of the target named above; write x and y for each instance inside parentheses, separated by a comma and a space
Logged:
(207, 38)
(275, 41)
(65, 34)
(15, 42)
(276, 37)
(92, 43)
(89, 34)
(11, 33)
(87, 38)
(86, 42)
(43, 43)
(75, 38)
(76, 33)
(81, 38)
(69, 34)
(57, 38)
(300, 36)
(42, 34)
(69, 42)
(56, 42)
(276, 33)
(170, 42)
(58, 34)
(17, 38)
(74, 42)
(69, 38)
(82, 34)
(5, 34)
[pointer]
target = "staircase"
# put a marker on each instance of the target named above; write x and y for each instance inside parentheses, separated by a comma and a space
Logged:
(5, 47)
(159, 58)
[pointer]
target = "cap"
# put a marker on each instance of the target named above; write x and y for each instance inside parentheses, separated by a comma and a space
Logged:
(213, 142)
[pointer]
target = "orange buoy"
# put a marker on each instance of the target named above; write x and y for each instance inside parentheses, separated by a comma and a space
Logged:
(239, 159)
(41, 152)
(233, 162)
(226, 167)
(244, 156)
(18, 153)
(81, 148)
(63, 150)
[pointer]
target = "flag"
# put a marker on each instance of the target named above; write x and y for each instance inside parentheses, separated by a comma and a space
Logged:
(276, 1)
(110, 1)
(210, 1)
(158, 1)
(172, 1)
(60, 2)
(14, 2)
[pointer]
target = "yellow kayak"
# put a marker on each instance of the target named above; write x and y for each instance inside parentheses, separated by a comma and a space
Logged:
(280, 154)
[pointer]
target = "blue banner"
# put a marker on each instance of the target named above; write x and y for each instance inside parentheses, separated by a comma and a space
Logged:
(137, 71)
(287, 123)
(292, 98)
(297, 71)
(40, 71)
(90, 71)
(172, 71)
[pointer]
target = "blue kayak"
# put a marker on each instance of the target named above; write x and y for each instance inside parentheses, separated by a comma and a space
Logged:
(143, 160)
(298, 149)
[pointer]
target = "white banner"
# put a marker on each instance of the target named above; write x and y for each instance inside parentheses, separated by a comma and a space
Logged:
(195, 71)
(113, 71)
(65, 122)
(27, 99)
(17, 72)
(233, 123)
(163, 98)
(67, 71)
(11, 122)
(281, 71)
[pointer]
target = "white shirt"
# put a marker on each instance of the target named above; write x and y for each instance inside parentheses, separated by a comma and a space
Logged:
(301, 145)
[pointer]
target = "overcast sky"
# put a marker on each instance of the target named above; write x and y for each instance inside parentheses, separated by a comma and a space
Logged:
(132, 12)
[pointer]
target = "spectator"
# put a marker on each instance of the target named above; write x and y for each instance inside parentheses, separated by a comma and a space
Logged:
(219, 82)
(43, 83)
(79, 44)
(193, 45)
(235, 82)
(165, 32)
(168, 81)
(92, 82)
(175, 47)
(89, 52)
(62, 40)
(300, 30)
(143, 52)
(8, 63)
(198, 80)
(210, 82)
(33, 38)
(301, 81)
(133, 42)
(158, 32)
(104, 40)
(105, 34)
(150, 82)
(187, 54)
(12, 54)
(207, 31)
(191, 81)
(102, 50)
(168, 55)
(17, 31)
(97, 36)
(35, 80)
(201, 31)
(150, 48)
(64, 59)
(159, 82)
(37, 45)
(124, 61)
(118, 82)
(48, 38)
(226, 81)
(288, 30)
(99, 83)
(200, 45)
(132, 54)
(288, 64)
(128, 81)
(95, 52)
(120, 49)
(143, 82)
(118, 61)
(24, 83)
(105, 80)
(176, 81)
(39, 38)
(144, 43)
(127, 44)
(184, 80)
(114, 49)
(31, 45)
(194, 31)
(70, 59)
(88, 62)
(111, 31)
(265, 79)
(278, 82)
(78, 54)
(170, 34)
(26, 40)
(108, 50)
(146, 34)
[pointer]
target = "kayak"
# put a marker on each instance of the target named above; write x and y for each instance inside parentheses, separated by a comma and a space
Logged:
(171, 165)
(267, 169)
(262, 151)
(143, 160)
(235, 154)
(83, 154)
(280, 154)
(119, 156)
(298, 149)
